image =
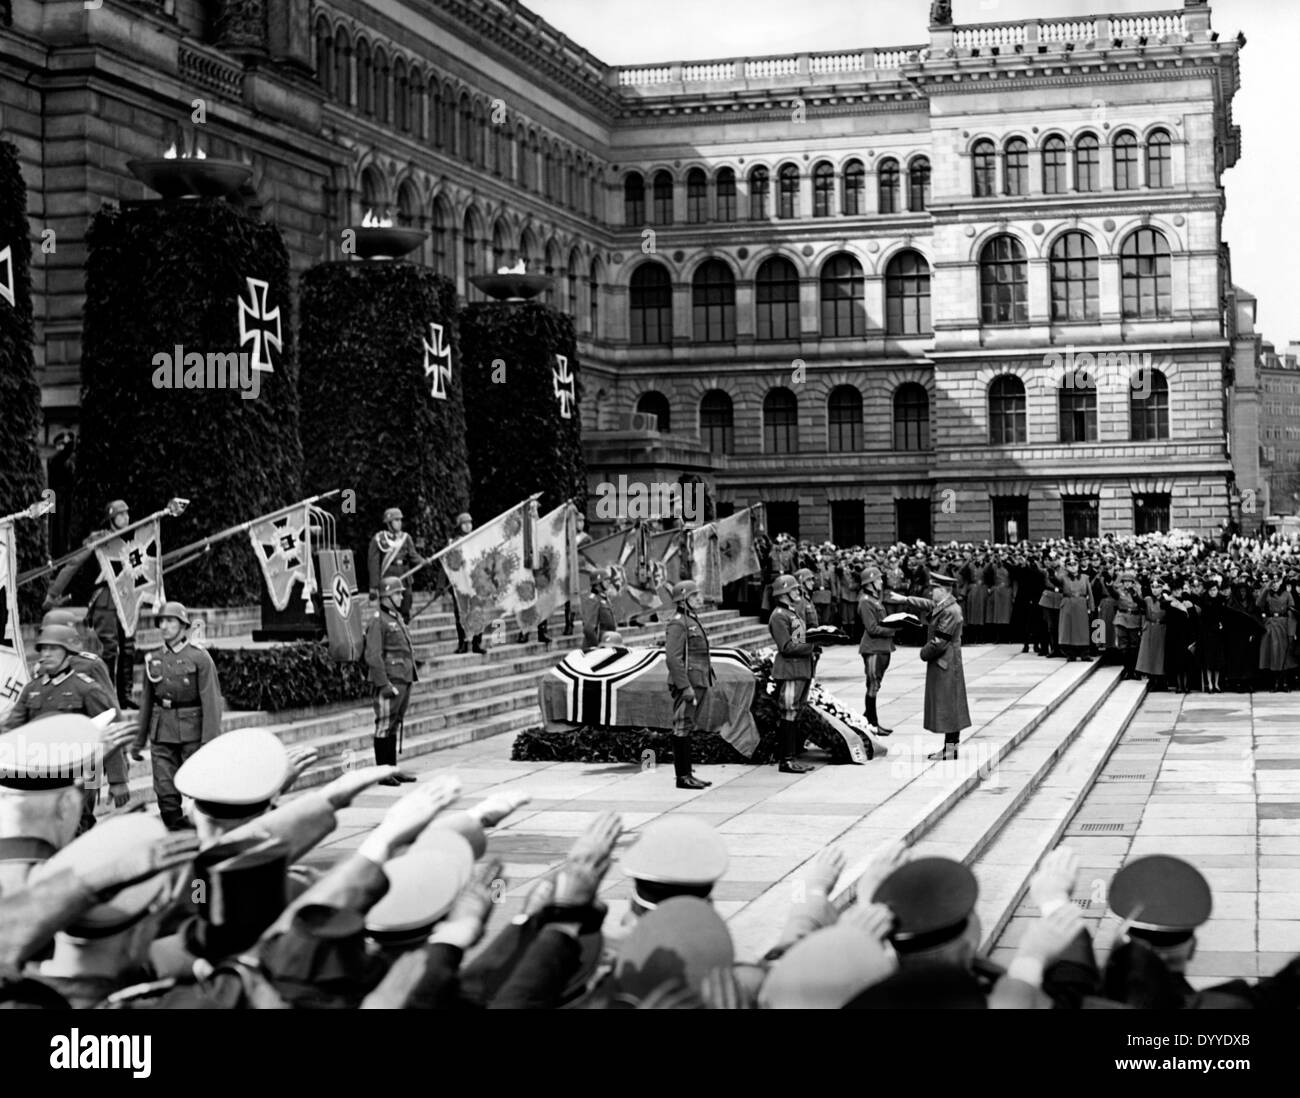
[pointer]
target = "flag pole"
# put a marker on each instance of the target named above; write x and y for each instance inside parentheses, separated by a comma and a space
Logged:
(174, 508)
(35, 511)
(186, 553)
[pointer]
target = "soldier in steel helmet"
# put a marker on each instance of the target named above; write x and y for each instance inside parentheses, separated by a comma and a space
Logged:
(392, 553)
(792, 669)
(690, 674)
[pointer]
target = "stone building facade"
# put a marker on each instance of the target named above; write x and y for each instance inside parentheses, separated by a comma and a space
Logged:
(906, 292)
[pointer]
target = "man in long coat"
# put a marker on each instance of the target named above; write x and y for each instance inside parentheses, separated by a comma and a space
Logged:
(946, 708)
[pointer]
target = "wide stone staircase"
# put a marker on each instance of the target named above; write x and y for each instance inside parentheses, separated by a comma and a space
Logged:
(458, 698)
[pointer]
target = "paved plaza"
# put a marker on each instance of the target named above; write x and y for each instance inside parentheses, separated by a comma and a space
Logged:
(1214, 779)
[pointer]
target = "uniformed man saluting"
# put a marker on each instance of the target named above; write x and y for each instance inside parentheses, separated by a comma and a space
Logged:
(690, 674)
(392, 553)
(181, 708)
(390, 660)
(61, 688)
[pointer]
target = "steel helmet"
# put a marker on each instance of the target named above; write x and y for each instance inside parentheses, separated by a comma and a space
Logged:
(60, 636)
(392, 513)
(71, 618)
(804, 575)
(391, 586)
(116, 507)
(463, 518)
(783, 585)
(683, 590)
(173, 610)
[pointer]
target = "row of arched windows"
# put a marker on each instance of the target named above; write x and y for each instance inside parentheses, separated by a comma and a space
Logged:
(1007, 417)
(717, 201)
(1134, 164)
(416, 101)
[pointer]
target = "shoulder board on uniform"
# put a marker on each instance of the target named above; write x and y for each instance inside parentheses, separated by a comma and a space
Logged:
(85, 678)
(139, 991)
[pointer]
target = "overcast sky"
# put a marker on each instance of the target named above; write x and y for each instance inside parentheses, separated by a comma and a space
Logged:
(1261, 223)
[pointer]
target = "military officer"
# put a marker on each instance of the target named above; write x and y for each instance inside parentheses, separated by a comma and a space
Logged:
(464, 527)
(392, 553)
(390, 660)
(43, 769)
(1129, 612)
(690, 674)
(792, 670)
(877, 642)
(180, 710)
(946, 708)
(61, 688)
(117, 649)
(807, 585)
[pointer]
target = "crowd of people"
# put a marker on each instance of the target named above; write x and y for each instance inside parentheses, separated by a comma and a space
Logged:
(227, 916)
(1185, 612)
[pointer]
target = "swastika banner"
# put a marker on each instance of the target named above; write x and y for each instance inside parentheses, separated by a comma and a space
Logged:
(132, 565)
(283, 547)
(13, 663)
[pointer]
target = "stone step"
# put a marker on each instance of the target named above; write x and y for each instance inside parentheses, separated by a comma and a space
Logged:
(1006, 865)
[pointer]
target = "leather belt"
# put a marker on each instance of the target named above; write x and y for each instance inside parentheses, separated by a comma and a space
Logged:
(167, 703)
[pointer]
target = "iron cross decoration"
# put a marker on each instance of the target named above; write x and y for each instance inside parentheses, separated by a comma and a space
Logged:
(564, 388)
(437, 362)
(260, 334)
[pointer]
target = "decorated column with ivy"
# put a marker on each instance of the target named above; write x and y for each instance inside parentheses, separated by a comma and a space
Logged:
(382, 399)
(522, 394)
(191, 387)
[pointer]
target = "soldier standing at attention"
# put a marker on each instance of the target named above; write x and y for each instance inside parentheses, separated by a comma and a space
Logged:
(181, 708)
(464, 526)
(807, 585)
(690, 674)
(393, 554)
(61, 687)
(877, 642)
(117, 649)
(792, 670)
(390, 660)
(946, 709)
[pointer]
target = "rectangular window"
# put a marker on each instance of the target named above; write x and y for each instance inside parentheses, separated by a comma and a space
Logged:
(1151, 514)
(1079, 516)
(1010, 519)
(782, 518)
(912, 520)
(848, 523)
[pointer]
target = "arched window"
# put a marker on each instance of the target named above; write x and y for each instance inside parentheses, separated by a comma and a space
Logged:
(450, 136)
(776, 299)
(634, 199)
(571, 275)
(655, 404)
(1126, 162)
(1144, 266)
(570, 182)
(888, 181)
(725, 194)
(401, 102)
(855, 188)
(713, 303)
(1076, 398)
(1148, 406)
(759, 185)
(844, 420)
(528, 167)
(593, 297)
(342, 70)
(1007, 411)
(464, 128)
(1087, 163)
(500, 247)
(843, 297)
(788, 199)
(911, 417)
(324, 57)
(697, 196)
(984, 168)
(382, 73)
(823, 189)
(918, 185)
(650, 305)
(438, 222)
(505, 161)
(716, 422)
(365, 79)
(548, 173)
(373, 198)
(1004, 282)
(1076, 283)
(663, 197)
(408, 206)
(780, 422)
(470, 239)
(907, 295)
(1159, 160)
(1056, 172)
(1016, 166)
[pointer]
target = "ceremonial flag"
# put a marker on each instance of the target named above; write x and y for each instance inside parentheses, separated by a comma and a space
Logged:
(282, 545)
(706, 565)
(555, 559)
(664, 561)
(489, 575)
(736, 547)
(13, 664)
(616, 558)
(132, 566)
